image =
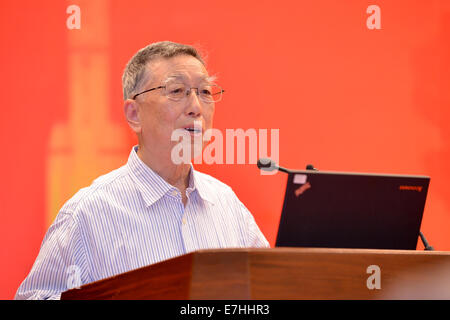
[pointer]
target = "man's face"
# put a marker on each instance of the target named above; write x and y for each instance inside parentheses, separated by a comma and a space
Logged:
(160, 116)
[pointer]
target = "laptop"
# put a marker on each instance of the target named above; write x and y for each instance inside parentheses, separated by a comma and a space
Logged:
(352, 210)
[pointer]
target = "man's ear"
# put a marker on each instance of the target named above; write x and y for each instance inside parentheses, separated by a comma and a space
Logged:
(130, 107)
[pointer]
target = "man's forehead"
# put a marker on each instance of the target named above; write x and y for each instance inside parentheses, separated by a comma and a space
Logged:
(185, 76)
(179, 68)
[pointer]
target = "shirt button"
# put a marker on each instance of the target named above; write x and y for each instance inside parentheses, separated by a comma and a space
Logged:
(174, 193)
(183, 221)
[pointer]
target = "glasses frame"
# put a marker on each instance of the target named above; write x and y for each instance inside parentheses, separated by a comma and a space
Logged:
(190, 89)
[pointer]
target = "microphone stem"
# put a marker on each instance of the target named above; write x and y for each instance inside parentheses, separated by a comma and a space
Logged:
(284, 170)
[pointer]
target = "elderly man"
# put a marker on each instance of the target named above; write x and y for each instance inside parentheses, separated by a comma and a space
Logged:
(152, 208)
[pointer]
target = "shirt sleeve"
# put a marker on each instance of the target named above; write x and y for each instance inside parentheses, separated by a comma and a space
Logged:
(61, 263)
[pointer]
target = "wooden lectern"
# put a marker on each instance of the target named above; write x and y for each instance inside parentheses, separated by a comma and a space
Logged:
(282, 273)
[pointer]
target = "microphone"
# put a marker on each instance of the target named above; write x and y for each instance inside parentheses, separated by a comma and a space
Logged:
(267, 164)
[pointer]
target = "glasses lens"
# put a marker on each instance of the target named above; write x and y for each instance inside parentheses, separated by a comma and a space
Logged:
(210, 93)
(175, 91)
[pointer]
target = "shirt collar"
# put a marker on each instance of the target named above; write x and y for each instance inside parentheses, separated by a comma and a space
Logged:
(204, 191)
(153, 187)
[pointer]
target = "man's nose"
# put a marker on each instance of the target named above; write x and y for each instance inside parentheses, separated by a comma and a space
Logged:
(194, 107)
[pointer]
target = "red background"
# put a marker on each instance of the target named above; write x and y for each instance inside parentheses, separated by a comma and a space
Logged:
(344, 97)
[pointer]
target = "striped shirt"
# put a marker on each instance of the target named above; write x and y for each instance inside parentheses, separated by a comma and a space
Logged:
(130, 218)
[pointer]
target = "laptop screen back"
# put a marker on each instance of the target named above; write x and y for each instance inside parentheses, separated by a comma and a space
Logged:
(352, 210)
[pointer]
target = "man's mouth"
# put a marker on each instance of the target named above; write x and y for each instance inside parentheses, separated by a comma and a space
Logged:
(193, 129)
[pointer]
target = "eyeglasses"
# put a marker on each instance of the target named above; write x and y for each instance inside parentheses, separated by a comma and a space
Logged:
(176, 91)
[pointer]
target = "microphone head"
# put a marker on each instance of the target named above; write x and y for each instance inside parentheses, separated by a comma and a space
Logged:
(266, 164)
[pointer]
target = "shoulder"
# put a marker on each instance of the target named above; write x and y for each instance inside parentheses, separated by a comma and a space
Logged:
(111, 182)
